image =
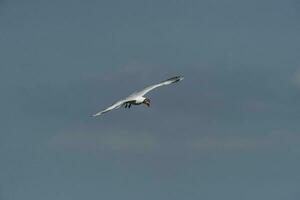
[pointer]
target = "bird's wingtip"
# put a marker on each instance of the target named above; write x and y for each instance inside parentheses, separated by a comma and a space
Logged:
(95, 115)
(175, 79)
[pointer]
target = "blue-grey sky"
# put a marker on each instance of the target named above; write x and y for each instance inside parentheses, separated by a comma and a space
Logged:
(230, 130)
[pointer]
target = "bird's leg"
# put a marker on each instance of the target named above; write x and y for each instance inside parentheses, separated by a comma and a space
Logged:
(129, 105)
(126, 104)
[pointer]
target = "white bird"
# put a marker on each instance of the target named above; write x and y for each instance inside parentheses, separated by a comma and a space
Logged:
(137, 98)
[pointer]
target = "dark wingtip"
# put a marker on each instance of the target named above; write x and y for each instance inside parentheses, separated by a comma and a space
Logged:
(175, 79)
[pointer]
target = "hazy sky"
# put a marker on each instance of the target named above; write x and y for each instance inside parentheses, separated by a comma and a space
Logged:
(229, 131)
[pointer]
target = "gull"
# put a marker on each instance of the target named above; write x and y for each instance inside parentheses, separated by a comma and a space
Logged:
(137, 98)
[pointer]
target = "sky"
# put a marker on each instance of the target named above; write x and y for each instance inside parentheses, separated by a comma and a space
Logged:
(229, 130)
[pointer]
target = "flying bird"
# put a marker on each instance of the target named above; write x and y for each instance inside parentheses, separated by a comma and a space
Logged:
(137, 98)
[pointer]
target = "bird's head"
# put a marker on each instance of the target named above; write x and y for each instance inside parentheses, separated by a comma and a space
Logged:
(147, 102)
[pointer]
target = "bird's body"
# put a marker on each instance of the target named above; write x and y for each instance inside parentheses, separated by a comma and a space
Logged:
(137, 98)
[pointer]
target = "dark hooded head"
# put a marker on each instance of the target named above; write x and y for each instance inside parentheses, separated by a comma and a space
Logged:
(147, 102)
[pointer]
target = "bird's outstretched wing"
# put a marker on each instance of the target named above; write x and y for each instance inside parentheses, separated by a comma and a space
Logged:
(112, 107)
(152, 87)
(133, 97)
